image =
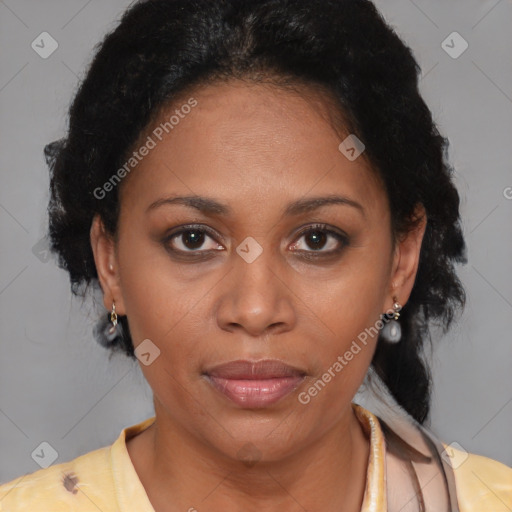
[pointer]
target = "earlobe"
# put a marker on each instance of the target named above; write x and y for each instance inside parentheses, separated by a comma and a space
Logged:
(103, 249)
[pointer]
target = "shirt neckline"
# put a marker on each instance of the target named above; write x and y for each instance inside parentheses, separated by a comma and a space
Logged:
(131, 495)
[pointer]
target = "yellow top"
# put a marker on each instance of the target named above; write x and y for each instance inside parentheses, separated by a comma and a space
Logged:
(105, 479)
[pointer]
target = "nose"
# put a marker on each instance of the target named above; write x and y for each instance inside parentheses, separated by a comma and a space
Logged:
(256, 299)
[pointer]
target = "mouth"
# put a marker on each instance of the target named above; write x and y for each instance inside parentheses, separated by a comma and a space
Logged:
(255, 384)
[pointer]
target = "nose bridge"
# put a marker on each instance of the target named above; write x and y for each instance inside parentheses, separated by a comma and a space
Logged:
(255, 273)
(255, 297)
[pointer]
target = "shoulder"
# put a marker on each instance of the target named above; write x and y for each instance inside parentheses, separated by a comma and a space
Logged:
(481, 483)
(69, 486)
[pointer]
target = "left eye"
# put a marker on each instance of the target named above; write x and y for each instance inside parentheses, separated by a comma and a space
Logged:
(317, 238)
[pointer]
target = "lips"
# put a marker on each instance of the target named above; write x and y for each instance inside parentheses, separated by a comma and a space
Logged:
(247, 370)
(252, 384)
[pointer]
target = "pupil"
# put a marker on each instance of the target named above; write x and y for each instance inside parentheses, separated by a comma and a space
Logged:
(193, 239)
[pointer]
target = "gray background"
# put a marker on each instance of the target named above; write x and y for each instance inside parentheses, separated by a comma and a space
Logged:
(58, 385)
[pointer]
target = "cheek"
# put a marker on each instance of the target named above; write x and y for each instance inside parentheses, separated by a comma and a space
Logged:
(162, 312)
(348, 307)
(351, 299)
(345, 353)
(158, 305)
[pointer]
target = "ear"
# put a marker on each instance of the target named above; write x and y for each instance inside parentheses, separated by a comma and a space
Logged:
(103, 248)
(406, 259)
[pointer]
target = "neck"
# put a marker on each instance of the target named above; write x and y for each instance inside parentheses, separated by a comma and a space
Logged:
(181, 472)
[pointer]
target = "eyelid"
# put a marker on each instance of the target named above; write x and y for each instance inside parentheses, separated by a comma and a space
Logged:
(190, 227)
(321, 226)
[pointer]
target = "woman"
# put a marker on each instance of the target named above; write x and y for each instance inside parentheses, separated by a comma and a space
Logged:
(263, 197)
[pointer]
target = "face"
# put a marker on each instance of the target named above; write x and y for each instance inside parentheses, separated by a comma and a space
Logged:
(288, 255)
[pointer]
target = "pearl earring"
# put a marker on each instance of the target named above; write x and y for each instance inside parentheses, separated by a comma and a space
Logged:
(392, 332)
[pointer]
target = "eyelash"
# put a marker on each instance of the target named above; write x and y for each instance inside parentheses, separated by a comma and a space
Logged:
(311, 254)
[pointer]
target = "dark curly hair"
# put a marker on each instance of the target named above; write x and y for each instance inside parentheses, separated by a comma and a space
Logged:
(162, 48)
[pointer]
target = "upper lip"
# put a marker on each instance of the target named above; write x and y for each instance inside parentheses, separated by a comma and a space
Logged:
(263, 369)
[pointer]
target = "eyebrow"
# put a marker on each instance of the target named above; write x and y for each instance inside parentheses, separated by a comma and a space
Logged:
(210, 206)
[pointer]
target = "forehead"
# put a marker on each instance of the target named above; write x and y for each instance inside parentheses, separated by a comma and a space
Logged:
(252, 142)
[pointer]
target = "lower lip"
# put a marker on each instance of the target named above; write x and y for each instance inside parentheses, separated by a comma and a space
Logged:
(255, 393)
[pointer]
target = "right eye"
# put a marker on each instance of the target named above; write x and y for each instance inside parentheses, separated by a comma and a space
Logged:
(189, 239)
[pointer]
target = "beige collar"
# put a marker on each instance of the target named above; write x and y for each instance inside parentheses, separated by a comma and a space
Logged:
(374, 499)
